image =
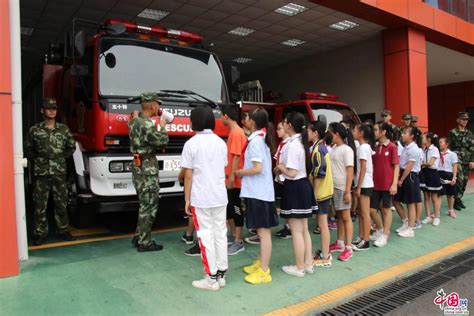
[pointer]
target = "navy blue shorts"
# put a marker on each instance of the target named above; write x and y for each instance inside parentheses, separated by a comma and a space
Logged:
(410, 191)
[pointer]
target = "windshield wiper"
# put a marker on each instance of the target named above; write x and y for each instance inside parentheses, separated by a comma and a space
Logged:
(191, 93)
(161, 95)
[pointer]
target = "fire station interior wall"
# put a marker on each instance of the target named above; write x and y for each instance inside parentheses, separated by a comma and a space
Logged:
(355, 73)
(444, 103)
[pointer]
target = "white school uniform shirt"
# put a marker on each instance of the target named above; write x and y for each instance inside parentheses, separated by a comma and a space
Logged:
(365, 152)
(293, 157)
(341, 156)
(258, 186)
(431, 152)
(206, 154)
(399, 148)
(278, 156)
(411, 152)
(446, 164)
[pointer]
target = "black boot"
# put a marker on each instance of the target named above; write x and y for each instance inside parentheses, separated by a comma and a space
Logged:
(66, 236)
(457, 205)
(39, 240)
(135, 241)
(150, 247)
(461, 204)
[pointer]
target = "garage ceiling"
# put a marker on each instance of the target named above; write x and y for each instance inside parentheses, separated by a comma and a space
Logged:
(50, 19)
(447, 66)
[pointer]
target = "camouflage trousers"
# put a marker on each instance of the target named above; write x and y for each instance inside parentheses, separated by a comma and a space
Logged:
(462, 179)
(147, 187)
(43, 186)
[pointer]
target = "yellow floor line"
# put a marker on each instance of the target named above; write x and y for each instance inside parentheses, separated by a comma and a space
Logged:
(358, 287)
(90, 240)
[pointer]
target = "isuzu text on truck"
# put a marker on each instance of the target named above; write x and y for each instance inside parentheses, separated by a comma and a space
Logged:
(97, 88)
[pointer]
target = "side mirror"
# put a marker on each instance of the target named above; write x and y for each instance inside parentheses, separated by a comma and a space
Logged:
(234, 74)
(115, 29)
(79, 43)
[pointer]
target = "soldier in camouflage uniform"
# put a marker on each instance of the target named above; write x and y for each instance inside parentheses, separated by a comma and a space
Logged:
(414, 121)
(461, 141)
(145, 140)
(406, 118)
(387, 118)
(48, 146)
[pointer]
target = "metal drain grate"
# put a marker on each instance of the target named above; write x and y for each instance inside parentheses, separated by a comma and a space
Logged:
(402, 291)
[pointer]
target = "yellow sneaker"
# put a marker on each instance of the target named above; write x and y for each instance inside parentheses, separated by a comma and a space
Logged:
(259, 276)
(253, 267)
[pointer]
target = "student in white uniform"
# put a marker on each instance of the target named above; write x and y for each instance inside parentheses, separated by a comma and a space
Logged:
(431, 185)
(409, 192)
(448, 170)
(298, 201)
(364, 135)
(204, 159)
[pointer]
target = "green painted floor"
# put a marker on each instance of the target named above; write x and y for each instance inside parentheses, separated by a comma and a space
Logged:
(110, 277)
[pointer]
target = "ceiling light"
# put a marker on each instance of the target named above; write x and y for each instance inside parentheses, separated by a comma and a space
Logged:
(241, 31)
(343, 25)
(26, 30)
(153, 14)
(242, 60)
(293, 42)
(291, 9)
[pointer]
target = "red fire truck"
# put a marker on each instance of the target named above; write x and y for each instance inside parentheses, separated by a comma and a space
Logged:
(97, 88)
(314, 106)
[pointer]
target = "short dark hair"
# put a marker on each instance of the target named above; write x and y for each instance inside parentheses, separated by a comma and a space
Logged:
(202, 118)
(230, 110)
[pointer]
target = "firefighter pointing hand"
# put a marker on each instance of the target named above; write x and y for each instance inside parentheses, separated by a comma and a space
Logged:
(145, 141)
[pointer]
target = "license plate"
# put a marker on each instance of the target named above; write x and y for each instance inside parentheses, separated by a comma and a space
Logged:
(120, 185)
(171, 165)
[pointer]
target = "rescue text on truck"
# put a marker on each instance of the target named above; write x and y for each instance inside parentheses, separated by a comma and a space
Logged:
(96, 90)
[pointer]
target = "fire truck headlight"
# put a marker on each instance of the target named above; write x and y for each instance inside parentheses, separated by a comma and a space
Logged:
(116, 167)
(128, 166)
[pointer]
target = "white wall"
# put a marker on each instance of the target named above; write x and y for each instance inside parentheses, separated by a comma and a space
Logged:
(355, 73)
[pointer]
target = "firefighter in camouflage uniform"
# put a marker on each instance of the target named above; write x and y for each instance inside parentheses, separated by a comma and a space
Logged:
(48, 146)
(461, 141)
(145, 141)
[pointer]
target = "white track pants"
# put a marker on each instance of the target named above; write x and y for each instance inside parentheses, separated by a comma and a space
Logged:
(211, 228)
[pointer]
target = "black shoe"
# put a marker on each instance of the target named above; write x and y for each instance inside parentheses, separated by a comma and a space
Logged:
(66, 236)
(188, 240)
(462, 204)
(457, 206)
(150, 247)
(285, 233)
(362, 246)
(39, 240)
(357, 241)
(135, 241)
(194, 251)
(317, 231)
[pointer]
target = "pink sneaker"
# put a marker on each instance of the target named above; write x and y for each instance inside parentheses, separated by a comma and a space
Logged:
(346, 254)
(452, 213)
(336, 247)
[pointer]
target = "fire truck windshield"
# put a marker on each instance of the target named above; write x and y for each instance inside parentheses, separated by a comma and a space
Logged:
(129, 67)
(332, 112)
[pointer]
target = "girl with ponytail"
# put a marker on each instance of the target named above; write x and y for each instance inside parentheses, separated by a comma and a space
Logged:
(298, 201)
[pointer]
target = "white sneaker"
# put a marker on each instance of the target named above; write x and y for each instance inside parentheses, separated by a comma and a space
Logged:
(293, 270)
(309, 269)
(376, 235)
(221, 280)
(427, 220)
(436, 221)
(206, 283)
(403, 227)
(409, 232)
(382, 241)
(418, 225)
(393, 208)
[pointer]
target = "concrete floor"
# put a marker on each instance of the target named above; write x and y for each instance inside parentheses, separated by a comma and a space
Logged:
(110, 277)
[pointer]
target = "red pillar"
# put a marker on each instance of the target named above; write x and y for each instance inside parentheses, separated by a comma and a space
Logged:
(405, 74)
(8, 239)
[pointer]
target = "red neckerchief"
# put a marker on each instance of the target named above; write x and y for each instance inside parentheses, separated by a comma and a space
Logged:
(442, 157)
(280, 149)
(261, 132)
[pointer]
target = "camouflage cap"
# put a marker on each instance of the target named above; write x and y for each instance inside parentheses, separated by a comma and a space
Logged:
(49, 103)
(386, 112)
(406, 116)
(149, 97)
(414, 118)
(463, 115)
